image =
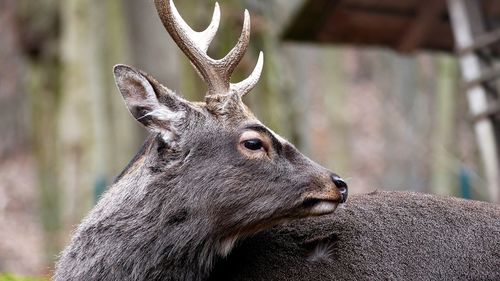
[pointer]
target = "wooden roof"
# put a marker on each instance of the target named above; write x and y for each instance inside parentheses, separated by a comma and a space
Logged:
(404, 25)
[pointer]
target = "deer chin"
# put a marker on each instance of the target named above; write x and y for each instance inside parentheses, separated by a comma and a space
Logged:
(323, 208)
(310, 207)
(319, 206)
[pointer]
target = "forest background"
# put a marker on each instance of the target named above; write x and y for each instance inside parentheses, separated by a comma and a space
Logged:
(379, 119)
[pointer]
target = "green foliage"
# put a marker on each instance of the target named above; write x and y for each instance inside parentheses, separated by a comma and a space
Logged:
(10, 277)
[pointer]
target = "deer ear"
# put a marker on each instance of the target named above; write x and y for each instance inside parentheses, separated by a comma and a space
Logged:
(156, 107)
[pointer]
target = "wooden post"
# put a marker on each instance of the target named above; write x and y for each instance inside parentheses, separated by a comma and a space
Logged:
(466, 24)
(427, 15)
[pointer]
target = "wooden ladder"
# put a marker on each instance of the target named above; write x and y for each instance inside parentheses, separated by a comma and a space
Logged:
(480, 71)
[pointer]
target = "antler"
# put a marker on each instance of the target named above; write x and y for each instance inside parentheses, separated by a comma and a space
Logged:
(216, 73)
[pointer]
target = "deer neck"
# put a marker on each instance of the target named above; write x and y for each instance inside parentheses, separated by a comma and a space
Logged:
(174, 243)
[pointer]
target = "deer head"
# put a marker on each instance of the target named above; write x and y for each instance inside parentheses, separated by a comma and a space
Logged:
(209, 174)
(216, 158)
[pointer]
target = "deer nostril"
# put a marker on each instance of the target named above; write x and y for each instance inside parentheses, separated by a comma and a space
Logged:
(341, 185)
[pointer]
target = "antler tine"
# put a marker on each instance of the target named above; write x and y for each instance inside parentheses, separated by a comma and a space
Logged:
(206, 36)
(233, 58)
(211, 30)
(245, 86)
(193, 44)
(178, 25)
(216, 73)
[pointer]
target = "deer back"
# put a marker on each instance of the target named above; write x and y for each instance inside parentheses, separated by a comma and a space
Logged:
(377, 236)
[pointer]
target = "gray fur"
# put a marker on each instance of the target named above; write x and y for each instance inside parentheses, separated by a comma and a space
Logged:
(190, 193)
(193, 191)
(378, 236)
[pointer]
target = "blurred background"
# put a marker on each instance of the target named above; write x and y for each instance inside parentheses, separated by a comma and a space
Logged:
(370, 89)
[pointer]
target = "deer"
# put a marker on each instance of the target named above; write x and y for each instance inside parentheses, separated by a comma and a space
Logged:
(214, 194)
(209, 174)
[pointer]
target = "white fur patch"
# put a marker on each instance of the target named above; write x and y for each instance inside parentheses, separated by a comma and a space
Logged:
(324, 207)
(167, 136)
(226, 246)
(163, 113)
(322, 252)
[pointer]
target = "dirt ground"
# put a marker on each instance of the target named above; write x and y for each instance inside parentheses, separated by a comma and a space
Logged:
(21, 242)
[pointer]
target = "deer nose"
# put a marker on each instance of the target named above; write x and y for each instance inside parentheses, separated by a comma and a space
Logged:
(341, 186)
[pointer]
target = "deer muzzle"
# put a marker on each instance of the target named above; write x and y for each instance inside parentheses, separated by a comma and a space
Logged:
(327, 199)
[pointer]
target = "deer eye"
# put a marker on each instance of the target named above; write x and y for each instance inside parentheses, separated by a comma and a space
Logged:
(253, 144)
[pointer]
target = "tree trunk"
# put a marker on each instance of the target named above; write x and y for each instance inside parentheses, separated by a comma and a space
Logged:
(444, 166)
(93, 133)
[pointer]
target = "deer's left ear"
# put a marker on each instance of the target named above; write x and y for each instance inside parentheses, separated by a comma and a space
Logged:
(156, 107)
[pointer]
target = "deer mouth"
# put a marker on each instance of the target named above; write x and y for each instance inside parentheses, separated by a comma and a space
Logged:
(320, 206)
